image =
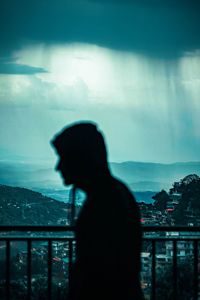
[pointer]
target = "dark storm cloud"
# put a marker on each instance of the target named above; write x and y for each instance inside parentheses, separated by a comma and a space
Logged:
(13, 68)
(155, 28)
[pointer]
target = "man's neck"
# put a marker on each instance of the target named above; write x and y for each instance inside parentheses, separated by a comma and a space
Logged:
(96, 183)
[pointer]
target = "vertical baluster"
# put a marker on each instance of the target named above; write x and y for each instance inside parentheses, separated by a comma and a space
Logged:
(29, 243)
(196, 270)
(49, 269)
(174, 270)
(70, 260)
(153, 282)
(7, 269)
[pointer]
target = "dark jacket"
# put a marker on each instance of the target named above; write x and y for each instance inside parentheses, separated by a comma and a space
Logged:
(108, 235)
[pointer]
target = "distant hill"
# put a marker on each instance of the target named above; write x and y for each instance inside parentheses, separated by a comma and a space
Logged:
(139, 176)
(150, 186)
(29, 175)
(20, 206)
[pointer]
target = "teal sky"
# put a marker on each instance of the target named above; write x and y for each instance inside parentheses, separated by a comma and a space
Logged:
(133, 68)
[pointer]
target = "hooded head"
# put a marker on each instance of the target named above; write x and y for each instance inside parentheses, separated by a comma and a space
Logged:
(82, 153)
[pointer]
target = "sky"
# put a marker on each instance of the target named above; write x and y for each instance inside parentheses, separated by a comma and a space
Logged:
(132, 67)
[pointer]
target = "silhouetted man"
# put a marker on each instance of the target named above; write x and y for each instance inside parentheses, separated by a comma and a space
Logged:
(108, 232)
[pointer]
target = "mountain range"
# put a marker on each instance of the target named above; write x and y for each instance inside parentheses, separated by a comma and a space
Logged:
(142, 176)
(139, 176)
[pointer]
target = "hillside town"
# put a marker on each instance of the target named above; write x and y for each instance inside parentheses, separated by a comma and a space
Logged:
(179, 206)
(182, 199)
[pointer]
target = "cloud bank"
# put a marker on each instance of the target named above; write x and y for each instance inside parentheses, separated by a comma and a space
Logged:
(164, 29)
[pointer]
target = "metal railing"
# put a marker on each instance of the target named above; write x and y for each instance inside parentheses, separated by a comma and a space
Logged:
(174, 236)
(151, 235)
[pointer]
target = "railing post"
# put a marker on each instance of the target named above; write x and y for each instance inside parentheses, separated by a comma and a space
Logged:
(196, 279)
(49, 269)
(70, 261)
(174, 270)
(153, 279)
(29, 243)
(7, 269)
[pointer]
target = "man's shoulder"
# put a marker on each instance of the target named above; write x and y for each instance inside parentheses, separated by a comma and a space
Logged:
(127, 199)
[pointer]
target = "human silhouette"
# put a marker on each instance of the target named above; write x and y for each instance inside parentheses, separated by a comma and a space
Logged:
(108, 232)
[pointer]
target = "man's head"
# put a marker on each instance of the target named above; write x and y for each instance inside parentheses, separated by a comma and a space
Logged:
(82, 153)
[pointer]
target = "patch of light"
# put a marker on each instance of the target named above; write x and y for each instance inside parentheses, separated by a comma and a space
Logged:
(111, 77)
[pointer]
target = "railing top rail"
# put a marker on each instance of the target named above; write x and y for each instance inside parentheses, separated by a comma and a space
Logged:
(37, 228)
(171, 228)
(72, 228)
